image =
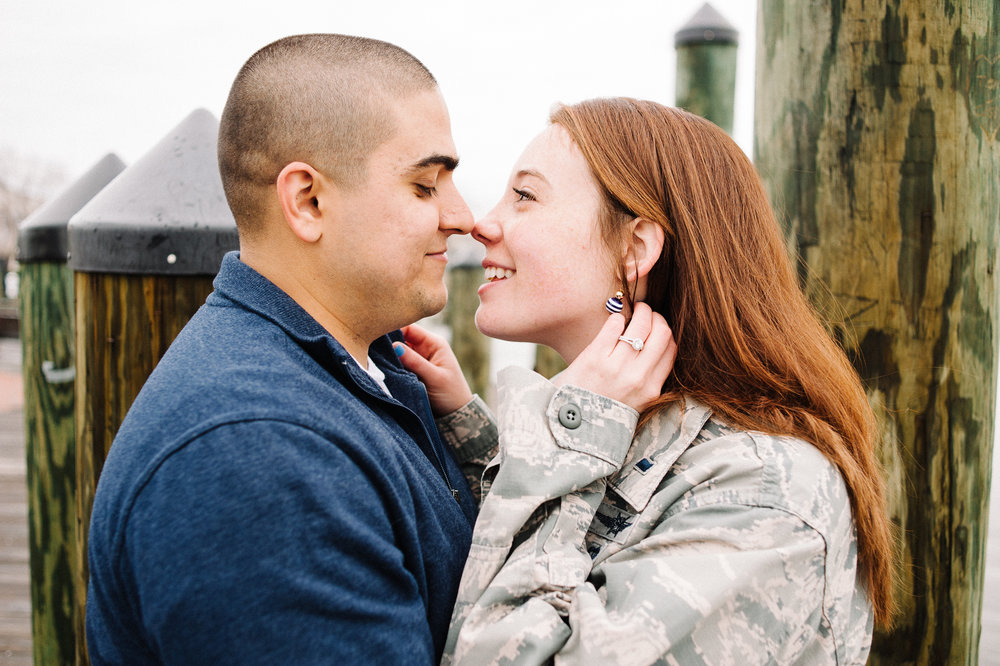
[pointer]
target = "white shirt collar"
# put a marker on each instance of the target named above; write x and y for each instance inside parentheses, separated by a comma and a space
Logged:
(375, 373)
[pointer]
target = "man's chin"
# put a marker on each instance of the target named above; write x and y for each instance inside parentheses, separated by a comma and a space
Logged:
(427, 305)
(435, 303)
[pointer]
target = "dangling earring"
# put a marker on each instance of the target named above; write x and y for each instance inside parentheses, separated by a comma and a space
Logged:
(614, 304)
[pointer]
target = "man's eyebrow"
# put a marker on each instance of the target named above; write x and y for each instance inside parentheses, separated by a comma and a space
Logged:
(449, 163)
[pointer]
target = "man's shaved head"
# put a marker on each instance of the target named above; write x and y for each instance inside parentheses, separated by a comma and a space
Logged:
(320, 99)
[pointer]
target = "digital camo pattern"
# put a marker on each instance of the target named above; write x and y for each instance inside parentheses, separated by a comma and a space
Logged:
(694, 543)
(471, 433)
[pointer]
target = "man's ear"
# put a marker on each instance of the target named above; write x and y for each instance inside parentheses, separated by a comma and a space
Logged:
(301, 194)
(646, 244)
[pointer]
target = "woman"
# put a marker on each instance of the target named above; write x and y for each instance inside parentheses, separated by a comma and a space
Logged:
(731, 512)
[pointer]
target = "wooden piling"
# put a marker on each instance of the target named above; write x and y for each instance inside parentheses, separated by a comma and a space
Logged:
(124, 324)
(46, 316)
(876, 131)
(470, 346)
(144, 253)
(548, 362)
(465, 275)
(706, 67)
(47, 352)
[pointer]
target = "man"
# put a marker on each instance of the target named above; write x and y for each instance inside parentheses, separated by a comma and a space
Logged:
(278, 492)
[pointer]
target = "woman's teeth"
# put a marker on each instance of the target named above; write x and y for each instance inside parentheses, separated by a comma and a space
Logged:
(496, 273)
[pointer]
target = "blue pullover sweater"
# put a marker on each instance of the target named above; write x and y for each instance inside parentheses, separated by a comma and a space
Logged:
(265, 502)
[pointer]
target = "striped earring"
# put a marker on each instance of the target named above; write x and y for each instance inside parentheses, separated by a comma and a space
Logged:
(614, 304)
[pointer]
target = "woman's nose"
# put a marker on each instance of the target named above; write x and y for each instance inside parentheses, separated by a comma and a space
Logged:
(487, 229)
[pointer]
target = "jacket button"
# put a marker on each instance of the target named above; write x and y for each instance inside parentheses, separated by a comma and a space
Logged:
(569, 416)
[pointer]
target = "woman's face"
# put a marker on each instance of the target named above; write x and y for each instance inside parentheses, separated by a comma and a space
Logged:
(548, 273)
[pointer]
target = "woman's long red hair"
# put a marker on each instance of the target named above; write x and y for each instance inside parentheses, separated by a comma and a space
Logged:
(750, 347)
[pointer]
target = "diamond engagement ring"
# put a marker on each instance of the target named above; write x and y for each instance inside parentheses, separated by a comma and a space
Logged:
(636, 343)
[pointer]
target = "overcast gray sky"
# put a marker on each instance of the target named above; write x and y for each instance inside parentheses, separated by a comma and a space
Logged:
(81, 79)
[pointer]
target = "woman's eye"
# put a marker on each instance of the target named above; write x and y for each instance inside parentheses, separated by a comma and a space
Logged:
(426, 191)
(522, 195)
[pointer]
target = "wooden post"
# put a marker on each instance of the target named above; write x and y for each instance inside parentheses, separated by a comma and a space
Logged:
(548, 362)
(877, 132)
(465, 274)
(143, 252)
(706, 67)
(46, 314)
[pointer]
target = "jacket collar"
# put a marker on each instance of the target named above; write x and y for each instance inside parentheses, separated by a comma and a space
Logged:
(242, 284)
(655, 448)
(408, 403)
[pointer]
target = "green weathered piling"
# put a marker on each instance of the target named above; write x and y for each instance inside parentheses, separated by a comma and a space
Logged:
(548, 362)
(144, 253)
(706, 67)
(877, 133)
(46, 315)
(465, 275)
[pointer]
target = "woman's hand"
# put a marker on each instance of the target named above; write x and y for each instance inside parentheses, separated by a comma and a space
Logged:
(613, 368)
(432, 360)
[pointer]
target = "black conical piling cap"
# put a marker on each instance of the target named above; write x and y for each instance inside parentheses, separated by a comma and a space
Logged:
(42, 235)
(164, 215)
(707, 25)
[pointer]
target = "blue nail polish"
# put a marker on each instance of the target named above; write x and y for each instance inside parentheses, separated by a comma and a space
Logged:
(399, 349)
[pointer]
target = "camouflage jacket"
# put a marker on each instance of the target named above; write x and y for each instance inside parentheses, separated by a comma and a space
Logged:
(471, 434)
(688, 542)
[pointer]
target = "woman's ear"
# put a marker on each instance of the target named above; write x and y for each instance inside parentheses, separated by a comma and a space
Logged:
(300, 191)
(645, 247)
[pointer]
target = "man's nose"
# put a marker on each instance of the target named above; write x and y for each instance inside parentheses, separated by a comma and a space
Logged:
(456, 217)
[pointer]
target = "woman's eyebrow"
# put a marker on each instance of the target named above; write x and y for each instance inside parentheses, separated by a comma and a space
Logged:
(532, 172)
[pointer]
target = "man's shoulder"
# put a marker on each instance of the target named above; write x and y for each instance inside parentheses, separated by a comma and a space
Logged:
(217, 375)
(239, 412)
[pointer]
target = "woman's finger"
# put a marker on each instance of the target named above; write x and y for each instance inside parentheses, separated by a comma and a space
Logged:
(652, 364)
(422, 340)
(638, 328)
(412, 360)
(662, 349)
(606, 339)
(658, 335)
